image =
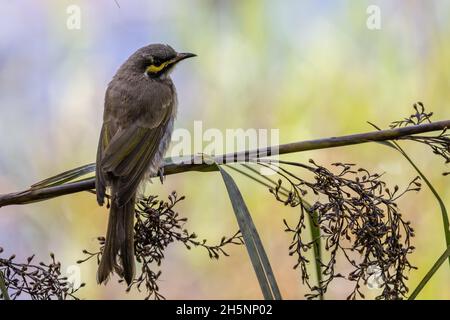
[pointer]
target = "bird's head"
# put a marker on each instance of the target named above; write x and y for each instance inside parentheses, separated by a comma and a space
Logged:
(156, 60)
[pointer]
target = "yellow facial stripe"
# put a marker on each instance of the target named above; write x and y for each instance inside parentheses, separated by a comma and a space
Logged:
(155, 69)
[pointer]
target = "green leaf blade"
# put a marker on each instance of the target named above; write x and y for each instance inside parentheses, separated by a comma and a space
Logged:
(253, 243)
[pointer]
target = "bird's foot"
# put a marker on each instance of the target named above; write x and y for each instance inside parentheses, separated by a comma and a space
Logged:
(161, 175)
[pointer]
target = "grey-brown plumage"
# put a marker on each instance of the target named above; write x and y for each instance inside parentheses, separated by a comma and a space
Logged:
(140, 108)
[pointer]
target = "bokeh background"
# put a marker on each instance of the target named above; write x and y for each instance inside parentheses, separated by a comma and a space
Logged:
(310, 68)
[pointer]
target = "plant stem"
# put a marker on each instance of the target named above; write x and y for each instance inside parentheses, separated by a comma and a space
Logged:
(3, 289)
(198, 163)
(430, 273)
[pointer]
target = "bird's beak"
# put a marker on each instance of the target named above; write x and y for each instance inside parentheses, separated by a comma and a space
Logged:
(182, 56)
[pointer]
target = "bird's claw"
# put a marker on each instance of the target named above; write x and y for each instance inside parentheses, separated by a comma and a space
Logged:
(161, 175)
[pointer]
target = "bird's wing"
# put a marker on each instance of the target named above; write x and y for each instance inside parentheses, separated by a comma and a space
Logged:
(100, 176)
(128, 155)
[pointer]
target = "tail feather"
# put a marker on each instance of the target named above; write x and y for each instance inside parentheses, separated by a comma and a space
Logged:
(127, 245)
(118, 253)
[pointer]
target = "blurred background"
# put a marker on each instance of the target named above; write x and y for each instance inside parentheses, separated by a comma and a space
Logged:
(310, 68)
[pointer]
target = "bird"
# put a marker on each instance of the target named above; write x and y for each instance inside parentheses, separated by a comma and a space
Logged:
(140, 107)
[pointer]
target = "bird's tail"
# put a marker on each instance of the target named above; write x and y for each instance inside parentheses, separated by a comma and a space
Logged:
(118, 253)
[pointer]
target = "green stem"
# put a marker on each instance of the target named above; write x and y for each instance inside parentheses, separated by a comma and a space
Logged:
(317, 248)
(430, 273)
(444, 213)
(3, 289)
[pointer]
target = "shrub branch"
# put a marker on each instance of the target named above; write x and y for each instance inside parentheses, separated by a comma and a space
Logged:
(198, 163)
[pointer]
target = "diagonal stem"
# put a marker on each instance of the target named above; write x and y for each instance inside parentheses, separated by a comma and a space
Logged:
(197, 163)
(3, 289)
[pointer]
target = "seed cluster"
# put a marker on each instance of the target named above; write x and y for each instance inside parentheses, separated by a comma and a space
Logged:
(157, 226)
(358, 219)
(42, 281)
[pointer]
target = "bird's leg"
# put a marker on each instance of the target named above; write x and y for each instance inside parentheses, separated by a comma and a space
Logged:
(161, 174)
